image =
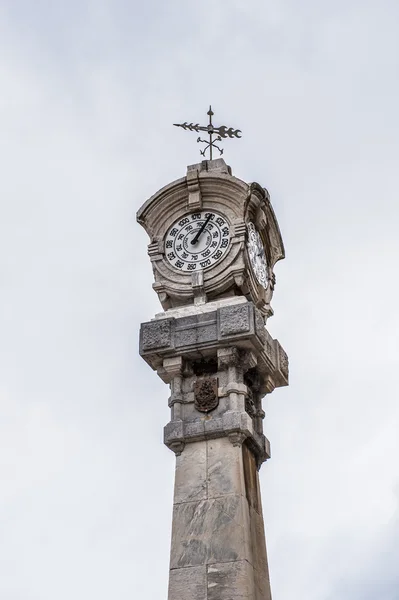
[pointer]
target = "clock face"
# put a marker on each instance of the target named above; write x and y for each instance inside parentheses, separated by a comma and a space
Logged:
(257, 255)
(197, 241)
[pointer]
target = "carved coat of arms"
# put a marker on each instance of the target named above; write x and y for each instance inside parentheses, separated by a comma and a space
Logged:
(206, 394)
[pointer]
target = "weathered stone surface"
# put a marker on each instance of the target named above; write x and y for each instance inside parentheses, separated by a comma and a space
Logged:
(283, 361)
(207, 531)
(188, 584)
(234, 320)
(260, 326)
(224, 468)
(186, 337)
(191, 473)
(230, 581)
(173, 431)
(156, 334)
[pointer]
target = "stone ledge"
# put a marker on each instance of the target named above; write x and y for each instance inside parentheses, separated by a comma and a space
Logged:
(203, 333)
(178, 433)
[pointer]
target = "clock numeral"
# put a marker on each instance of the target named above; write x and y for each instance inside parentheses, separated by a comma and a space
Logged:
(224, 244)
(210, 226)
(174, 231)
(217, 254)
(169, 244)
(225, 231)
(171, 255)
(179, 264)
(195, 216)
(183, 222)
(180, 236)
(179, 247)
(215, 234)
(210, 215)
(214, 244)
(206, 253)
(191, 267)
(220, 221)
(184, 255)
(205, 263)
(189, 227)
(194, 257)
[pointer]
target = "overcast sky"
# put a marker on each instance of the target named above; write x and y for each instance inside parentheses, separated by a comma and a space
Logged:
(88, 93)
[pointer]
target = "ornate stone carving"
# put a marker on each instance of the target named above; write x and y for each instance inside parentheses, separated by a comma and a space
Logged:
(206, 394)
(283, 359)
(156, 334)
(234, 320)
(260, 326)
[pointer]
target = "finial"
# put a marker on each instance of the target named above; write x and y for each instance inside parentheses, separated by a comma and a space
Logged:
(220, 132)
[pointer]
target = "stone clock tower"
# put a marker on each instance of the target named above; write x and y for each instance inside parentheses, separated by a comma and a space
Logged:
(214, 241)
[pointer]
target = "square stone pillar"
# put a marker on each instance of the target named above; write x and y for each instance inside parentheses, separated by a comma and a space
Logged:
(219, 361)
(218, 549)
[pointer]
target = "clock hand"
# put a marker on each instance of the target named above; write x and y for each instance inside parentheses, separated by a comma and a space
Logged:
(196, 238)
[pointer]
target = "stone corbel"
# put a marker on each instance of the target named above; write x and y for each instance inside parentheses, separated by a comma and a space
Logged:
(261, 219)
(248, 360)
(177, 447)
(155, 250)
(239, 230)
(197, 282)
(164, 298)
(194, 191)
(237, 438)
(268, 385)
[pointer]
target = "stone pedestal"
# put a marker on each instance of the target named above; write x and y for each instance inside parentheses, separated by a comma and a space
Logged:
(220, 361)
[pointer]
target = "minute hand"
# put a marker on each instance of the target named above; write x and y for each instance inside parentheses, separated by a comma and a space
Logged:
(196, 238)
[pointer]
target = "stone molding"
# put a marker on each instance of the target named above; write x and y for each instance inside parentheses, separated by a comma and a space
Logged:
(234, 425)
(215, 332)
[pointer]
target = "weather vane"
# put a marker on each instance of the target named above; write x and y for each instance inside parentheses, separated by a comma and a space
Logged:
(220, 132)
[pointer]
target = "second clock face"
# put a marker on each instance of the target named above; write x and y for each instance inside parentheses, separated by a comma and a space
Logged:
(257, 255)
(197, 241)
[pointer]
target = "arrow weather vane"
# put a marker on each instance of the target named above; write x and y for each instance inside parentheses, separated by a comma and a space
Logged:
(220, 132)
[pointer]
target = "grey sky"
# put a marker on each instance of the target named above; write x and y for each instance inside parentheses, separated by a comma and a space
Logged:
(89, 91)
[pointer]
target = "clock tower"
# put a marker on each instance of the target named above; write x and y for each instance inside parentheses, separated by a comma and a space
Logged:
(214, 242)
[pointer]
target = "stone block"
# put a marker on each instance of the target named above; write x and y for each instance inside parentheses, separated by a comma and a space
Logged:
(188, 584)
(260, 326)
(282, 360)
(234, 320)
(155, 334)
(230, 581)
(186, 337)
(207, 531)
(207, 333)
(191, 477)
(194, 429)
(173, 431)
(257, 530)
(224, 468)
(232, 421)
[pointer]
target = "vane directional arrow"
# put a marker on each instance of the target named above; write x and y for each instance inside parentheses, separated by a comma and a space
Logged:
(220, 133)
